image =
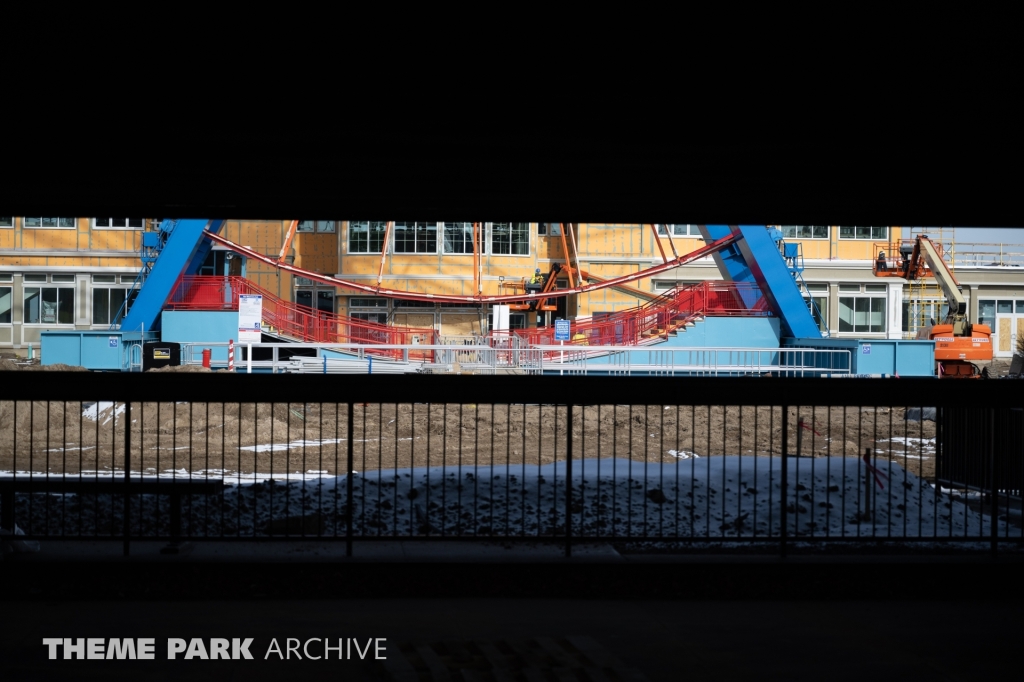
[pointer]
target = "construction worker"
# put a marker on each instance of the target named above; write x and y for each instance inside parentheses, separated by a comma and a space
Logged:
(536, 282)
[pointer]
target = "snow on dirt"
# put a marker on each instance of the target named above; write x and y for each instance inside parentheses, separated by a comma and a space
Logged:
(717, 498)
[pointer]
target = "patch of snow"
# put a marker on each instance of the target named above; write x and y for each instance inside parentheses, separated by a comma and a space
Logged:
(102, 410)
(715, 499)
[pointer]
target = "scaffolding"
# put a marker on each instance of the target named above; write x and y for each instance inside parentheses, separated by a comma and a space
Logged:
(924, 302)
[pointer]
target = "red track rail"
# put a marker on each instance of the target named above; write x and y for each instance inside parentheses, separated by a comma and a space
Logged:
(705, 250)
(296, 321)
(657, 318)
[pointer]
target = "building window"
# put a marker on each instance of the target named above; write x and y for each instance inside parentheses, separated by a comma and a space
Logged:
(366, 236)
(510, 238)
(118, 223)
(375, 318)
(549, 229)
(368, 303)
(880, 233)
(415, 237)
(458, 238)
(862, 314)
(678, 231)
(35, 278)
(107, 304)
(805, 231)
(53, 223)
(315, 226)
(5, 305)
(987, 312)
(6, 222)
(61, 278)
(515, 321)
(918, 314)
(818, 307)
(49, 305)
(666, 285)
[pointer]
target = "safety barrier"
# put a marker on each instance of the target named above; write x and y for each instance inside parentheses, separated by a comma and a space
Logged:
(656, 319)
(293, 320)
(782, 463)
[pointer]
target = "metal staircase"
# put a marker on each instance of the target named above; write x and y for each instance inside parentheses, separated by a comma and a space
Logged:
(793, 255)
(153, 241)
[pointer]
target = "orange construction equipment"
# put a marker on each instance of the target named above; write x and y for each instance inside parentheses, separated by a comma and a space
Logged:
(957, 341)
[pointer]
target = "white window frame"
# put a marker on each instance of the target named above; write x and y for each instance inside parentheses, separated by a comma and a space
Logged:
(72, 226)
(791, 232)
(317, 226)
(864, 297)
(108, 287)
(10, 297)
(7, 227)
(524, 232)
(369, 226)
(881, 237)
(96, 225)
(41, 287)
(678, 230)
(463, 233)
(416, 226)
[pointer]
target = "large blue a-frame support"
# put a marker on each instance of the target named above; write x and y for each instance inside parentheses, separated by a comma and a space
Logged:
(756, 258)
(182, 254)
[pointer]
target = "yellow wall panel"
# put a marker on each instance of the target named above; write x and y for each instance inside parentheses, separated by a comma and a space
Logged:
(56, 240)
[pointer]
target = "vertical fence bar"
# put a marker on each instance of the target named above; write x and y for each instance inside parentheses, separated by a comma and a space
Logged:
(127, 470)
(785, 480)
(994, 518)
(568, 481)
(349, 507)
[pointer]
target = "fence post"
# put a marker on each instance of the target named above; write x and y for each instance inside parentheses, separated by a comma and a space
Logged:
(127, 469)
(349, 507)
(995, 484)
(568, 482)
(869, 511)
(785, 473)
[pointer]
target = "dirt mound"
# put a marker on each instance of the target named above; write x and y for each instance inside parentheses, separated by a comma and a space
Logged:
(184, 369)
(10, 366)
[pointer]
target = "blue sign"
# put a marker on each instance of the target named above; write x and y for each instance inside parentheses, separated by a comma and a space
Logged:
(561, 330)
(112, 342)
(866, 349)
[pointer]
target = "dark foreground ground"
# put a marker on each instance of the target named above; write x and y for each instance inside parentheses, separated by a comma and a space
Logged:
(490, 613)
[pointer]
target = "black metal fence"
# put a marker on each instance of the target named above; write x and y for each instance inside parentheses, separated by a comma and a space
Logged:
(650, 460)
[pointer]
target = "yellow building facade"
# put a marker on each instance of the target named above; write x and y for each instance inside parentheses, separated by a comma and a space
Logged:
(75, 273)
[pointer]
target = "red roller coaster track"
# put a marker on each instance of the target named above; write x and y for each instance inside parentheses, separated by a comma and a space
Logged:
(705, 250)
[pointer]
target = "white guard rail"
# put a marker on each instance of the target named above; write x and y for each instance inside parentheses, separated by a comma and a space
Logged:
(604, 360)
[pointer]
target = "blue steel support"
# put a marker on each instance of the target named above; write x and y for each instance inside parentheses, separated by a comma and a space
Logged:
(756, 258)
(183, 254)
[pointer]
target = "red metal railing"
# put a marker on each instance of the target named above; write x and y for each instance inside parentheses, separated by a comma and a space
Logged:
(297, 321)
(657, 318)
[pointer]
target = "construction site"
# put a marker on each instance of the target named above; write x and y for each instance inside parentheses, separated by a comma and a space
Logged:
(536, 298)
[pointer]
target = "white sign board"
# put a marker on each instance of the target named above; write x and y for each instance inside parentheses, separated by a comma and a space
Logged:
(500, 317)
(561, 330)
(250, 316)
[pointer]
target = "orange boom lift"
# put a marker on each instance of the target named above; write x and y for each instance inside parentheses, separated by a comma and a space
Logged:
(957, 341)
